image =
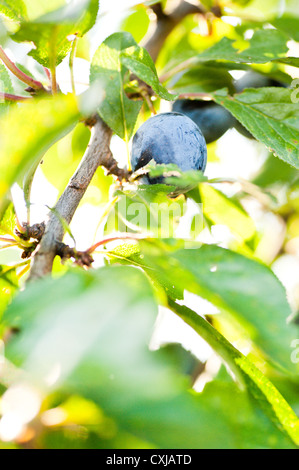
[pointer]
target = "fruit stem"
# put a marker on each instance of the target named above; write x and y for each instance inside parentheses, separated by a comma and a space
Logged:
(48, 73)
(121, 236)
(71, 64)
(8, 240)
(9, 97)
(36, 85)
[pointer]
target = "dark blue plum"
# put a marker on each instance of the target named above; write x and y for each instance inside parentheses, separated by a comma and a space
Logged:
(212, 119)
(169, 138)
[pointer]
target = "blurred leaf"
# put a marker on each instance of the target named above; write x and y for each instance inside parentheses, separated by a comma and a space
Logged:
(245, 288)
(27, 131)
(270, 115)
(258, 432)
(129, 254)
(51, 30)
(241, 2)
(146, 209)
(288, 24)
(275, 171)
(65, 155)
(138, 60)
(268, 397)
(137, 23)
(111, 363)
(8, 221)
(203, 79)
(13, 9)
(37, 8)
(8, 286)
(222, 210)
(5, 87)
(264, 46)
(117, 110)
(8, 275)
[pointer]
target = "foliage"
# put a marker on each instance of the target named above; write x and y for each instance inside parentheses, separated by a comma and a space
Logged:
(81, 368)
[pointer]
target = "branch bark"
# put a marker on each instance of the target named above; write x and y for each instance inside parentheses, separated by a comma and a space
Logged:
(97, 153)
(166, 23)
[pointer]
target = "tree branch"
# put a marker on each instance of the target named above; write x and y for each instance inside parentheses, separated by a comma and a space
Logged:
(97, 153)
(166, 23)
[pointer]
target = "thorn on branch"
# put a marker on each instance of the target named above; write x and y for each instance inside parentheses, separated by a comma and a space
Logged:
(91, 120)
(35, 231)
(111, 165)
(27, 252)
(82, 258)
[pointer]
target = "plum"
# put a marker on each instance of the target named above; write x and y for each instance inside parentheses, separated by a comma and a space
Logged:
(169, 138)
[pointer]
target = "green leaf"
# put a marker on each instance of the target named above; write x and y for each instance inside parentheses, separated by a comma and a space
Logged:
(5, 81)
(181, 181)
(264, 46)
(222, 210)
(93, 328)
(137, 23)
(37, 8)
(28, 131)
(8, 285)
(245, 288)
(252, 435)
(138, 60)
(5, 87)
(117, 110)
(275, 171)
(146, 209)
(50, 31)
(13, 9)
(129, 254)
(269, 398)
(270, 115)
(289, 25)
(65, 155)
(101, 346)
(8, 221)
(203, 79)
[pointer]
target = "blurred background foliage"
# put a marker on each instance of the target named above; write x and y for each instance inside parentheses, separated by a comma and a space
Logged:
(78, 370)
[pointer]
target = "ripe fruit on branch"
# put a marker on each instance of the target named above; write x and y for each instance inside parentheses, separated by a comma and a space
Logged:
(169, 138)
